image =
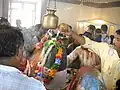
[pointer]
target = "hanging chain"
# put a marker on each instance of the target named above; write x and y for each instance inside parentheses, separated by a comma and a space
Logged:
(49, 7)
(55, 4)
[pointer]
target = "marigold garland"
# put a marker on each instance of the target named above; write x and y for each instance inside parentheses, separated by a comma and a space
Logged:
(57, 63)
(53, 69)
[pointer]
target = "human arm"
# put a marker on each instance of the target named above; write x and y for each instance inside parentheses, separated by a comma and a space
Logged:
(79, 38)
(72, 56)
(97, 47)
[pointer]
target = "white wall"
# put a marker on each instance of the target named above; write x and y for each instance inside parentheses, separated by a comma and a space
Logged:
(38, 12)
(111, 14)
(70, 13)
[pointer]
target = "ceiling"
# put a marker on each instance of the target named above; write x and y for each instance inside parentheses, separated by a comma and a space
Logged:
(25, 0)
(94, 3)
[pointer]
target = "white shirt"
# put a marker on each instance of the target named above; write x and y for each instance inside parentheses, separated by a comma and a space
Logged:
(12, 79)
(110, 61)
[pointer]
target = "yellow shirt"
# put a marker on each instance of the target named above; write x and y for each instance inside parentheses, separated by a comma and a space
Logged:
(110, 61)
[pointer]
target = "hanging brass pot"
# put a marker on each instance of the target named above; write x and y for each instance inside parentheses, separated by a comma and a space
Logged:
(50, 21)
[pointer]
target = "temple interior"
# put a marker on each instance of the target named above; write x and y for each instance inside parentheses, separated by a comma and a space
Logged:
(59, 45)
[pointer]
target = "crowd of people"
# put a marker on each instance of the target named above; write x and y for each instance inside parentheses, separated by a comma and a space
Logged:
(93, 55)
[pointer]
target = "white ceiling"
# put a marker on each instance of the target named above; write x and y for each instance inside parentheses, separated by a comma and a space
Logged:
(96, 1)
(99, 1)
(27, 0)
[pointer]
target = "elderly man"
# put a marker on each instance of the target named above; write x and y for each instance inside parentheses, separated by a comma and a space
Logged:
(11, 43)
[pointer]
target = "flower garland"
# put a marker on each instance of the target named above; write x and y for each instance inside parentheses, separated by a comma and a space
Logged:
(52, 70)
(39, 72)
(57, 63)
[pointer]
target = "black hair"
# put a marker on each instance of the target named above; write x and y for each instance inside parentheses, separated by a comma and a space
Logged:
(70, 26)
(104, 27)
(4, 21)
(92, 27)
(118, 32)
(112, 38)
(98, 30)
(10, 41)
(118, 85)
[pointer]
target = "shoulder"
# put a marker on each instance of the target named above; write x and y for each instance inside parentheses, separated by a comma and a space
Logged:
(8, 69)
(35, 84)
(99, 45)
(14, 76)
(78, 48)
(29, 83)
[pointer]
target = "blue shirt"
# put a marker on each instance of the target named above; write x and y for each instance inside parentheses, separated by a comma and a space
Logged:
(90, 82)
(12, 79)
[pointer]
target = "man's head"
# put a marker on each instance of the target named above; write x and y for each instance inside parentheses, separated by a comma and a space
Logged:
(70, 27)
(91, 28)
(11, 42)
(98, 32)
(18, 22)
(116, 40)
(104, 28)
(63, 27)
(37, 27)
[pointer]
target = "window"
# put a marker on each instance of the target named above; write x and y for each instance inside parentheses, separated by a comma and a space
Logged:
(16, 5)
(24, 10)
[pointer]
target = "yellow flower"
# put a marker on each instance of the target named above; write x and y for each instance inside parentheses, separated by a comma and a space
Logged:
(52, 73)
(60, 50)
(36, 71)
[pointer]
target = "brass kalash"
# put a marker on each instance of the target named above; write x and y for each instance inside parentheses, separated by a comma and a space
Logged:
(50, 20)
